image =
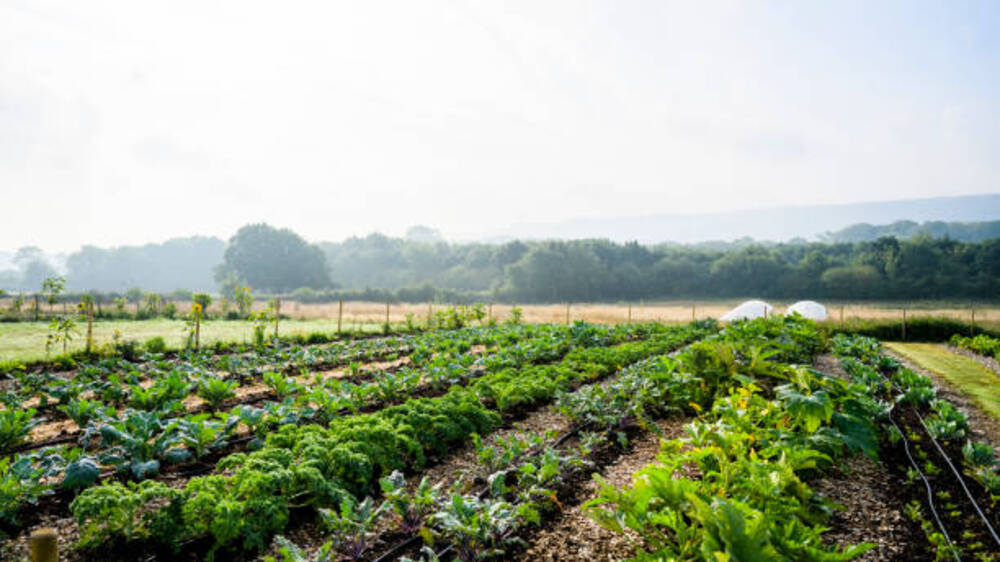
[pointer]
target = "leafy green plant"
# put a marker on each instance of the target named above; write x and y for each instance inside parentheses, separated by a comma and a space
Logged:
(351, 525)
(83, 411)
(116, 511)
(281, 386)
(20, 485)
(214, 391)
(155, 344)
(15, 425)
(136, 442)
(478, 529)
(61, 330)
(201, 434)
(410, 510)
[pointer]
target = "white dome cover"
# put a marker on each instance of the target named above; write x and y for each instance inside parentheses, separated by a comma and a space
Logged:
(748, 311)
(809, 309)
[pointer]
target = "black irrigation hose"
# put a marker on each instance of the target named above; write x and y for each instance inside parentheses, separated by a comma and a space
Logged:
(955, 473)
(961, 480)
(930, 493)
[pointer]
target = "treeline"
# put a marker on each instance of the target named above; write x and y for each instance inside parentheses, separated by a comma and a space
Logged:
(961, 231)
(599, 270)
(423, 267)
(179, 263)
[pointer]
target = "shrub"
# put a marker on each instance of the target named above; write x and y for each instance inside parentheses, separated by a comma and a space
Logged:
(156, 344)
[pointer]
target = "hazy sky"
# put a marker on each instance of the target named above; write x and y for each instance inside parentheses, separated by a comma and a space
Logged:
(128, 122)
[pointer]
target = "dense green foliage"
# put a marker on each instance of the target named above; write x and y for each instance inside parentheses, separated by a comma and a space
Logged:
(179, 263)
(377, 267)
(981, 344)
(754, 450)
(272, 259)
(585, 270)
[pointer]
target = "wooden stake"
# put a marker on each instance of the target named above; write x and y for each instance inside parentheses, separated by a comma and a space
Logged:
(340, 314)
(567, 314)
(904, 324)
(386, 316)
(44, 545)
(90, 327)
(973, 322)
(629, 313)
(277, 315)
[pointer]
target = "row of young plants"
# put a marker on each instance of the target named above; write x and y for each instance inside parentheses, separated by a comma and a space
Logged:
(251, 496)
(736, 487)
(960, 517)
(97, 393)
(94, 393)
(525, 476)
(50, 388)
(136, 444)
(521, 476)
(982, 344)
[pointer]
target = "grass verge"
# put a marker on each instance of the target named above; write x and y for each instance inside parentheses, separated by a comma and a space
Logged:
(977, 381)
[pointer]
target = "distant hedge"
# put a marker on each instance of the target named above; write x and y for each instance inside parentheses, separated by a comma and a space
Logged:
(918, 329)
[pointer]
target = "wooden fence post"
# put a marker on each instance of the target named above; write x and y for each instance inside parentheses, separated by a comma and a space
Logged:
(340, 314)
(44, 545)
(277, 315)
(567, 314)
(973, 328)
(90, 327)
(387, 317)
(904, 324)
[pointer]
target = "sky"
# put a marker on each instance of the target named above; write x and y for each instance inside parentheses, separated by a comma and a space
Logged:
(126, 122)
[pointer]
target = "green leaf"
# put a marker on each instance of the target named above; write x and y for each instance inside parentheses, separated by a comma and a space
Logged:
(143, 470)
(81, 473)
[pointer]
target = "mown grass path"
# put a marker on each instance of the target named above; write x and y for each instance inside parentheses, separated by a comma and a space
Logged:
(980, 383)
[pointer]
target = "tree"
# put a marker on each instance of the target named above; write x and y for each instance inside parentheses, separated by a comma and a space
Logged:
(36, 272)
(273, 260)
(52, 288)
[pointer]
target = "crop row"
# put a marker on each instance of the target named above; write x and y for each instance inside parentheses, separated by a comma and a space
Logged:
(137, 443)
(148, 382)
(525, 476)
(981, 344)
(923, 424)
(250, 496)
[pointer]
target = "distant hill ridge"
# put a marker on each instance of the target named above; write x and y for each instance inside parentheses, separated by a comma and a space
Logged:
(961, 231)
(772, 224)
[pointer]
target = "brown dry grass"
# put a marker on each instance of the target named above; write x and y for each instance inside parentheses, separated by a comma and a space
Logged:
(668, 311)
(374, 313)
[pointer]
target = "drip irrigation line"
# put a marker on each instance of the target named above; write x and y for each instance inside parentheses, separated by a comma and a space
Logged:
(961, 480)
(955, 473)
(930, 492)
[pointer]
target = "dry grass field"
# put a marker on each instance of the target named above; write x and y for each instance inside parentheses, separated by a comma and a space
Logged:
(665, 311)
(24, 341)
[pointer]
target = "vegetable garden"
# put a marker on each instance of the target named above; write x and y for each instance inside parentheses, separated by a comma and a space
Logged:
(471, 444)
